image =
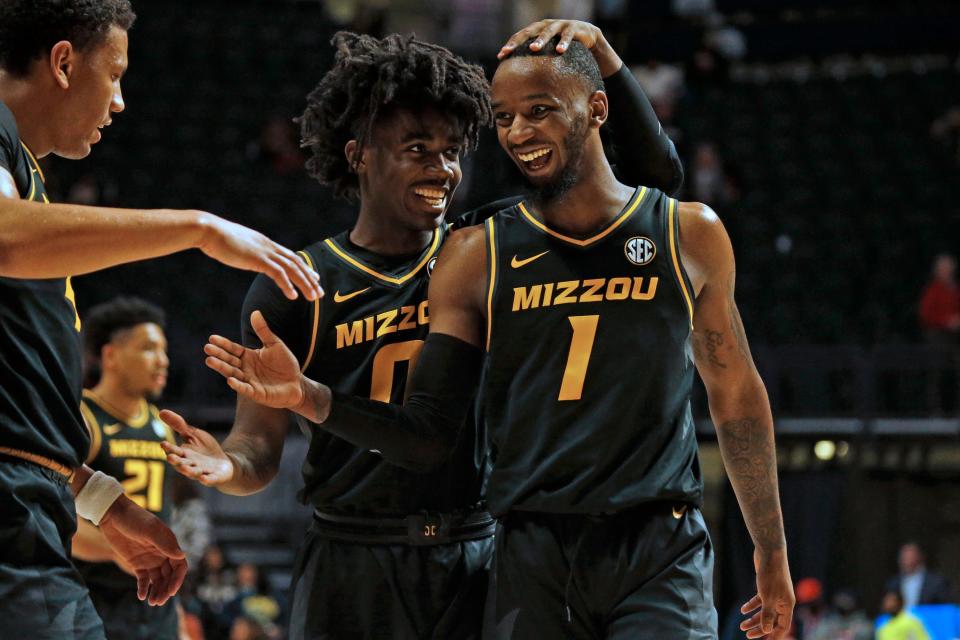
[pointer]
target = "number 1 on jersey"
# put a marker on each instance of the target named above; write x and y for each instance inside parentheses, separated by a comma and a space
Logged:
(581, 346)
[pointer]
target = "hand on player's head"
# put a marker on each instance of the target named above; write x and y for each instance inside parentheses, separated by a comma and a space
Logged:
(237, 246)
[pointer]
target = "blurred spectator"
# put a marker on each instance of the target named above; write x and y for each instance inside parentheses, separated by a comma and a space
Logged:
(247, 629)
(710, 181)
(85, 190)
(526, 11)
(190, 520)
(254, 600)
(811, 609)
(940, 303)
(278, 146)
(915, 583)
(946, 129)
(216, 586)
(902, 625)
(845, 622)
(663, 83)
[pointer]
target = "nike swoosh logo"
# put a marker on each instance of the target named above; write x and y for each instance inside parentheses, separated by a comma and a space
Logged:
(516, 264)
(679, 511)
(343, 298)
(111, 429)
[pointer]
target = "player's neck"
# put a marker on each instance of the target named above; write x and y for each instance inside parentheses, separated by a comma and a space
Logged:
(383, 236)
(28, 107)
(595, 200)
(116, 401)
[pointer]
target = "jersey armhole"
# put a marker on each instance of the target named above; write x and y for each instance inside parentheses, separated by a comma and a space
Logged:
(93, 428)
(491, 274)
(673, 242)
(315, 316)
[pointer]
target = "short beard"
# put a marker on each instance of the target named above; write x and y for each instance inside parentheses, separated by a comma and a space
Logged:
(573, 145)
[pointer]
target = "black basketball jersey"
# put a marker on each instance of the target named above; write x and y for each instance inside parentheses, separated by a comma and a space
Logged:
(131, 453)
(40, 351)
(589, 371)
(365, 336)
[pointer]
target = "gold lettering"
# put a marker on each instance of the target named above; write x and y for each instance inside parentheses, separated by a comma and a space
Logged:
(565, 291)
(639, 294)
(594, 285)
(548, 294)
(386, 322)
(618, 288)
(348, 335)
(408, 321)
(423, 315)
(524, 298)
(368, 324)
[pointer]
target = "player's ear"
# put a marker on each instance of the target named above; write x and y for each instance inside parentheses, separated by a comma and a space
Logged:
(107, 355)
(62, 62)
(354, 156)
(599, 109)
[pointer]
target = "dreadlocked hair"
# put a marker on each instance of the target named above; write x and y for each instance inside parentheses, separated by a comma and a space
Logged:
(370, 77)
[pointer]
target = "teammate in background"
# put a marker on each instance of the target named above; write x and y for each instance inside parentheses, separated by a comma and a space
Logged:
(60, 67)
(125, 343)
(391, 552)
(585, 309)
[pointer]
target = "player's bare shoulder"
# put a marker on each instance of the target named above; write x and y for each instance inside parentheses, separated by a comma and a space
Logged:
(705, 247)
(462, 262)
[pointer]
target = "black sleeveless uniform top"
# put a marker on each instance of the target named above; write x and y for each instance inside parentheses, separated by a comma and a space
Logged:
(131, 453)
(40, 351)
(589, 368)
(363, 338)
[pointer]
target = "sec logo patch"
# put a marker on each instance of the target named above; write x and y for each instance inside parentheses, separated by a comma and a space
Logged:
(640, 250)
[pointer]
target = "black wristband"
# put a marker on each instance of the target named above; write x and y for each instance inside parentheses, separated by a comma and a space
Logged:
(422, 432)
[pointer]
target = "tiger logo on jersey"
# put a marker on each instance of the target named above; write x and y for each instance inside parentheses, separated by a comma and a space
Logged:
(640, 250)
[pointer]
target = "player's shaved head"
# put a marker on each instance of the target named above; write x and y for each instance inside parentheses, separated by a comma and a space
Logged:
(372, 78)
(575, 62)
(30, 28)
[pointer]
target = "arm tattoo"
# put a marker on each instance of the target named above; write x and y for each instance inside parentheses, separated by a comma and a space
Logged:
(736, 323)
(751, 461)
(714, 342)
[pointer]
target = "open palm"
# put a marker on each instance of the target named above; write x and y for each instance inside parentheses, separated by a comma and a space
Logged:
(269, 375)
(199, 455)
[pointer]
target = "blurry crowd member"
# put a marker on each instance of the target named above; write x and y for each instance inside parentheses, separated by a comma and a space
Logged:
(216, 586)
(190, 520)
(811, 609)
(125, 342)
(902, 624)
(940, 303)
(247, 629)
(915, 583)
(255, 600)
(278, 147)
(845, 622)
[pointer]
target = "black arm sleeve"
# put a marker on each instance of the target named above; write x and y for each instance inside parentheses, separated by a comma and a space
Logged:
(291, 320)
(645, 153)
(422, 433)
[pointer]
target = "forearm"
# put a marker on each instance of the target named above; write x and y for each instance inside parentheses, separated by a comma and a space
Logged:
(421, 433)
(745, 432)
(255, 463)
(645, 153)
(59, 240)
(89, 544)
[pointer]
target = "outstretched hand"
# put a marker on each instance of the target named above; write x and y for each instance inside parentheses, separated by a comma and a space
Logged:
(146, 546)
(585, 33)
(199, 455)
(269, 375)
(772, 607)
(237, 246)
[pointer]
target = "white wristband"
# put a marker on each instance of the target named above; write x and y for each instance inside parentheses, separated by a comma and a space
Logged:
(97, 495)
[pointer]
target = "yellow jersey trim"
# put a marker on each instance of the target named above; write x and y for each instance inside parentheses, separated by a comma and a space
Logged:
(34, 159)
(588, 241)
(493, 278)
(675, 254)
(96, 436)
(316, 318)
(137, 422)
(395, 280)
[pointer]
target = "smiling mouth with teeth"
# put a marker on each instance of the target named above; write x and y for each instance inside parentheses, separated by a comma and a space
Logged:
(536, 159)
(434, 197)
